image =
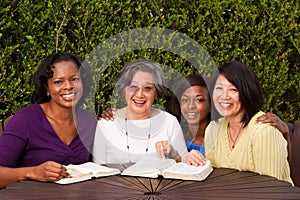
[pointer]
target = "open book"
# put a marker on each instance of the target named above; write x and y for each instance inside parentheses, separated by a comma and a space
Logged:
(87, 171)
(152, 167)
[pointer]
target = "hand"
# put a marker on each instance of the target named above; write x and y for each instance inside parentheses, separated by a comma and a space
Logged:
(48, 171)
(274, 120)
(165, 150)
(108, 114)
(194, 157)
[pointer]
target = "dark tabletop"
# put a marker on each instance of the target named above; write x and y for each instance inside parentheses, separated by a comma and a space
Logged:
(221, 184)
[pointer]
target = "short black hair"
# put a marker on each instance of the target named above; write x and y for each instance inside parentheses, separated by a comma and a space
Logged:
(44, 72)
(247, 84)
(144, 65)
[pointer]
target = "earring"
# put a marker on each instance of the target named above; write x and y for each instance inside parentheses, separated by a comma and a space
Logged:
(48, 94)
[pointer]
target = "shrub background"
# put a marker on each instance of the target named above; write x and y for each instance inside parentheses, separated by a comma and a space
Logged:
(263, 34)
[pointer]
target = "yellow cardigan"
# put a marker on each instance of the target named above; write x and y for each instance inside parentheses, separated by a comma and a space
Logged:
(261, 148)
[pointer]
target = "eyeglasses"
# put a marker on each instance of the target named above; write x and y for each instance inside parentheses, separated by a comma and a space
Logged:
(148, 89)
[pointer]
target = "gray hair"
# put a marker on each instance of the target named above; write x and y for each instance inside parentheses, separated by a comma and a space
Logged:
(144, 65)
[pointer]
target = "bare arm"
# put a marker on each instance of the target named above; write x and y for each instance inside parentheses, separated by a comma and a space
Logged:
(48, 171)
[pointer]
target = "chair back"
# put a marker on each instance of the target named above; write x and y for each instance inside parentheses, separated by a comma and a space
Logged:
(295, 157)
(1, 129)
(6, 121)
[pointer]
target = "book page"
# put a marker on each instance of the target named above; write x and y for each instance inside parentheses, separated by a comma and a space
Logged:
(86, 171)
(183, 168)
(74, 179)
(89, 167)
(149, 166)
(188, 172)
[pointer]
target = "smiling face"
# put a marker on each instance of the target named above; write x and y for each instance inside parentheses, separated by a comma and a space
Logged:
(65, 87)
(195, 105)
(226, 98)
(140, 95)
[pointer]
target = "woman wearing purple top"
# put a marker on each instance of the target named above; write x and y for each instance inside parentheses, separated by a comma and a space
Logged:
(53, 131)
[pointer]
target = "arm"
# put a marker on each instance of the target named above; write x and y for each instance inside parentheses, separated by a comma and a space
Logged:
(48, 171)
(99, 146)
(194, 157)
(165, 150)
(176, 142)
(270, 153)
(177, 139)
(108, 114)
(15, 136)
(276, 122)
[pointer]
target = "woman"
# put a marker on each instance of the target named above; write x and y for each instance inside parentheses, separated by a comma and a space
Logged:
(53, 131)
(236, 140)
(191, 105)
(139, 129)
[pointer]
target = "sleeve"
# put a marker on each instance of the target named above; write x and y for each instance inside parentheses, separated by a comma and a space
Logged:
(13, 141)
(212, 134)
(87, 124)
(208, 142)
(99, 146)
(270, 153)
(177, 141)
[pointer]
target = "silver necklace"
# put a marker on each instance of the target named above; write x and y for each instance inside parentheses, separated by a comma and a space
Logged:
(127, 138)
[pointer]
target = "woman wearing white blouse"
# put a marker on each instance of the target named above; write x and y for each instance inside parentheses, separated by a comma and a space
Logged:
(139, 129)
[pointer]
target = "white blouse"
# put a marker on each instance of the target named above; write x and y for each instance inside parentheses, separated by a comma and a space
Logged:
(110, 142)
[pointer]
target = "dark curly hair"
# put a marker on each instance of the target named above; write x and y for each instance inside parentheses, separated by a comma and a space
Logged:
(45, 72)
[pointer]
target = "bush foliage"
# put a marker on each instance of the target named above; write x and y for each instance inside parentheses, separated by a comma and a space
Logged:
(263, 34)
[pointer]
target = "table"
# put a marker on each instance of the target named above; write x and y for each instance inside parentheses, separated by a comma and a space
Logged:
(221, 184)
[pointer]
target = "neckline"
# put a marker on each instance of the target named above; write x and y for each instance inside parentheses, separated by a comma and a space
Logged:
(127, 138)
(236, 139)
(52, 129)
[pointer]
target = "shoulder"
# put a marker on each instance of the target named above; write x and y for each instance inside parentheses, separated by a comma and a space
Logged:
(31, 109)
(28, 113)
(219, 123)
(215, 129)
(263, 130)
(255, 126)
(165, 114)
(85, 113)
(26, 118)
(109, 125)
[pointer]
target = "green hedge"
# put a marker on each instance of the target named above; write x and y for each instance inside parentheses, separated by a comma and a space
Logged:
(263, 34)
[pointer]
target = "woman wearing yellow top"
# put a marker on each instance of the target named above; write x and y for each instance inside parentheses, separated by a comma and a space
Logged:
(236, 141)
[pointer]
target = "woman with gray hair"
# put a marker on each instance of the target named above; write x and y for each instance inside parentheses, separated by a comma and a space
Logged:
(138, 128)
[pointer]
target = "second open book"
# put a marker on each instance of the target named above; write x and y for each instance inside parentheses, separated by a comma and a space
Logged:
(149, 166)
(152, 167)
